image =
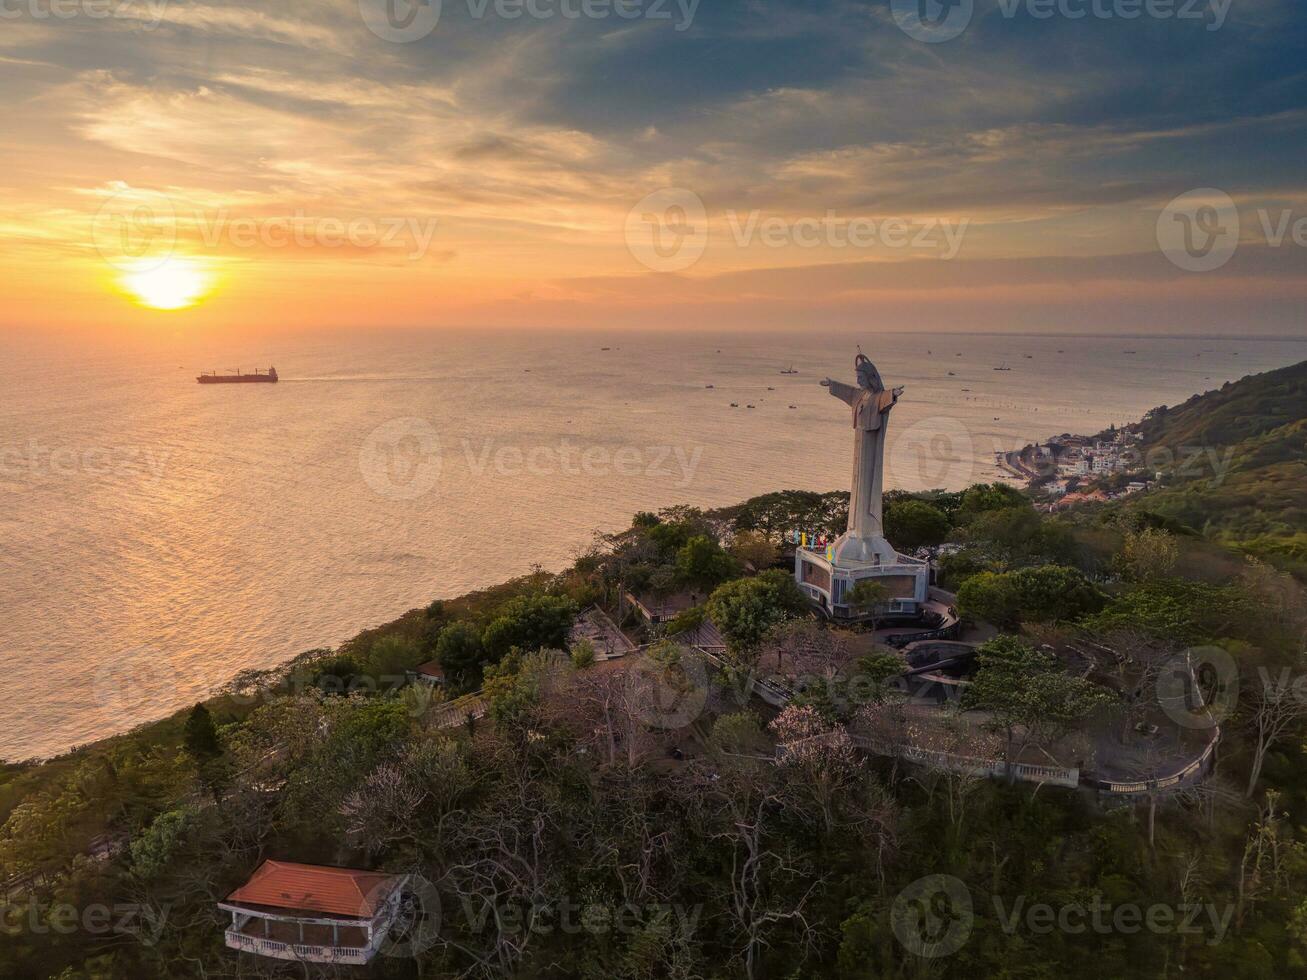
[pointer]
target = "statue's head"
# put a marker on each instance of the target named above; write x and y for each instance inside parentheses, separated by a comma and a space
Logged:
(868, 376)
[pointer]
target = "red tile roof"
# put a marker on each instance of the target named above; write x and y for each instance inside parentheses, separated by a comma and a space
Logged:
(311, 888)
(432, 668)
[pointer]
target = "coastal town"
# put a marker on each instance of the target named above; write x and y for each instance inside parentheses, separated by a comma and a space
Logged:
(1067, 469)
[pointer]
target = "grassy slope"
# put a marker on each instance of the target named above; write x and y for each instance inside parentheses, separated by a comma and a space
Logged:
(1259, 505)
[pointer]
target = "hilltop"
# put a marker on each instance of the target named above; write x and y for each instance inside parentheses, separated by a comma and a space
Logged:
(1239, 475)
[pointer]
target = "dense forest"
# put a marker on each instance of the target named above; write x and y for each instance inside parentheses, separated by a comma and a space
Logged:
(654, 817)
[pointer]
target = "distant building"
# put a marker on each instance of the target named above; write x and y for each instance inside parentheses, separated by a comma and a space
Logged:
(313, 914)
(430, 673)
(659, 609)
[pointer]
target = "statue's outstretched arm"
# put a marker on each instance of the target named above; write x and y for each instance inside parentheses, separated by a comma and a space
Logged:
(845, 393)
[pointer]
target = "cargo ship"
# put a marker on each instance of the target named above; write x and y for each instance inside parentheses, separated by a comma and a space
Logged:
(214, 378)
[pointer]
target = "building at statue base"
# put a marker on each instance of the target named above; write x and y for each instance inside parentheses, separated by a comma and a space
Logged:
(827, 581)
(828, 574)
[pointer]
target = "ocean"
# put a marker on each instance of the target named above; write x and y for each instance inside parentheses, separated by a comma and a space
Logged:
(159, 536)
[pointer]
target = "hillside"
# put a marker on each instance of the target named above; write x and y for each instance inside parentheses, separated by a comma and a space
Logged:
(1240, 476)
(1237, 411)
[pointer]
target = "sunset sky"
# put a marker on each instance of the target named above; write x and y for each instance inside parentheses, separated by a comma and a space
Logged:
(505, 159)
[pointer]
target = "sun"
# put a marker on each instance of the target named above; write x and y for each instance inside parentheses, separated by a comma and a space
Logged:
(173, 285)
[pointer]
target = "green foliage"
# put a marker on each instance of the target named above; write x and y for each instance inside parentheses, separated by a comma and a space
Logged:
(1025, 688)
(874, 672)
(370, 728)
(390, 657)
(1174, 610)
(701, 562)
(461, 655)
(583, 655)
(755, 549)
(867, 594)
(200, 737)
(776, 514)
(691, 619)
(746, 609)
(154, 851)
(1148, 554)
(911, 524)
(1046, 593)
(1019, 535)
(983, 498)
(529, 622)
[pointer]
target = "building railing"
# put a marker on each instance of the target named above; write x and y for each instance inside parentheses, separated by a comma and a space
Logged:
(1195, 768)
(297, 951)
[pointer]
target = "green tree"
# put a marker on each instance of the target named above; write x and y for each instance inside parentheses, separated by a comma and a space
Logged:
(1046, 593)
(156, 850)
(200, 736)
(911, 524)
(754, 548)
(744, 610)
(1028, 694)
(701, 562)
(529, 622)
(583, 655)
(983, 497)
(461, 655)
(1148, 554)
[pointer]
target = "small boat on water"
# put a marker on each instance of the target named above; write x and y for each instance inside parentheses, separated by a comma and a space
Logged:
(735, 404)
(258, 377)
(748, 406)
(710, 386)
(794, 406)
(952, 374)
(770, 388)
(1002, 367)
(790, 370)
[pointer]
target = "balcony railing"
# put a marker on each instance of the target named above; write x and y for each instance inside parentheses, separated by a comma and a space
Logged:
(302, 953)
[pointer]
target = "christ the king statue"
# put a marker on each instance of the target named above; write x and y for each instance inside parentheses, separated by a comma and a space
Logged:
(871, 402)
